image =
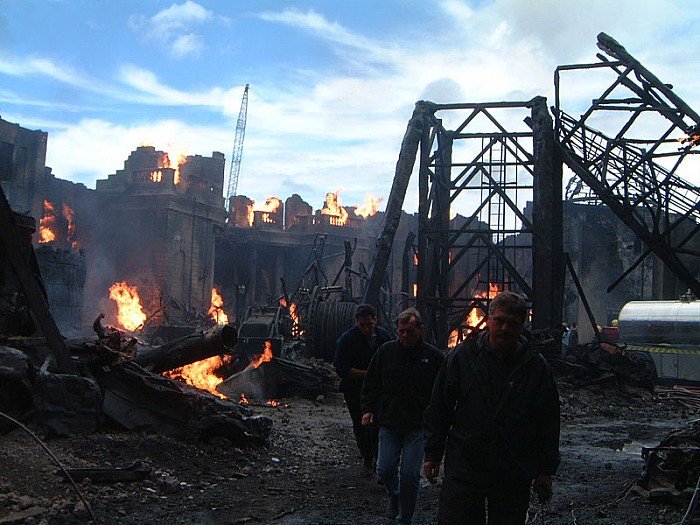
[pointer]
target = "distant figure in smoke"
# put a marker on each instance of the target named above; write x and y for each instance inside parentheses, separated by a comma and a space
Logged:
(395, 395)
(354, 350)
(565, 341)
(573, 337)
(494, 415)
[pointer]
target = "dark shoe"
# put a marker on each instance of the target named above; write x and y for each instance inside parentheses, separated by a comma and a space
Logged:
(392, 508)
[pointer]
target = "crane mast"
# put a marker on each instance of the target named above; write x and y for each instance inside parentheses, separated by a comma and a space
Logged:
(237, 149)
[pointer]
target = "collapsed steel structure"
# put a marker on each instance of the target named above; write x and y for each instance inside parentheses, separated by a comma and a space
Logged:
(627, 167)
(495, 164)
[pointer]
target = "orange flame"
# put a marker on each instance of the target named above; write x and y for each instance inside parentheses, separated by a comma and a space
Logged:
(216, 310)
(265, 357)
(369, 207)
(130, 312)
(272, 204)
(48, 221)
(296, 327)
(201, 373)
(165, 162)
(70, 219)
(475, 317)
(332, 207)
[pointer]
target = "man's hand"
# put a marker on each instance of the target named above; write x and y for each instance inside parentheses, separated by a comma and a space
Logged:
(367, 418)
(431, 469)
(543, 487)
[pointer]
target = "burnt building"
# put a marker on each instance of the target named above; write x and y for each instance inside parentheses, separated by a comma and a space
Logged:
(54, 205)
(156, 230)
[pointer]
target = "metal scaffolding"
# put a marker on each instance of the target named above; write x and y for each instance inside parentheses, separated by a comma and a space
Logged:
(629, 150)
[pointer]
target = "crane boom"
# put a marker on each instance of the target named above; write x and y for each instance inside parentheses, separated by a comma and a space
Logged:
(237, 149)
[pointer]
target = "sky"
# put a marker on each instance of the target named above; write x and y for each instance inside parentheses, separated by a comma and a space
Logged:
(332, 83)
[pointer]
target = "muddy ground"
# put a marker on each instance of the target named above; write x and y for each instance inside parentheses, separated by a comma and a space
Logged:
(310, 473)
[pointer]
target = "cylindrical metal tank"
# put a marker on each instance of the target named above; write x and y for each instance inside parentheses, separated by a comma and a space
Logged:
(675, 322)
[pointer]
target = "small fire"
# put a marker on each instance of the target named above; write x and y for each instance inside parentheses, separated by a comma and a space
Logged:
(475, 316)
(69, 215)
(339, 215)
(47, 222)
(296, 328)
(130, 313)
(201, 373)
(369, 207)
(243, 400)
(165, 162)
(272, 204)
(265, 357)
(693, 137)
(216, 310)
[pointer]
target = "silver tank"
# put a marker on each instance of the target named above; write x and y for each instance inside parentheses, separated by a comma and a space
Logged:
(675, 322)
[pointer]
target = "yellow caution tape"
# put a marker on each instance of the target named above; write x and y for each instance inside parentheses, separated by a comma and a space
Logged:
(659, 349)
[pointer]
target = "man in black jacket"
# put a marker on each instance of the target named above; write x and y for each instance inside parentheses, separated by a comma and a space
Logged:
(395, 394)
(354, 350)
(494, 413)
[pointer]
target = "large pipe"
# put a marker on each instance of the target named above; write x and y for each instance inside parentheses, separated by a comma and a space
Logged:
(188, 349)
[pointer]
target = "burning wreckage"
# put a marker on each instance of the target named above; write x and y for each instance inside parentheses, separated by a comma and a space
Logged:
(449, 269)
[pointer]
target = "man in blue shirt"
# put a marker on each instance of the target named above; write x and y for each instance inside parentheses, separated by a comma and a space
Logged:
(354, 351)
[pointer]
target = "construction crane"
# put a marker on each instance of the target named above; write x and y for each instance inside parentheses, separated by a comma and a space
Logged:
(237, 150)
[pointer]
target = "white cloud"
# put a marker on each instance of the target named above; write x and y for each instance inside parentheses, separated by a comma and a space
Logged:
(372, 50)
(171, 27)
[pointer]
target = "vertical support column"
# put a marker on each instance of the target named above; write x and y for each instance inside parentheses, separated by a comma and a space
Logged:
(421, 119)
(547, 243)
(423, 222)
(440, 221)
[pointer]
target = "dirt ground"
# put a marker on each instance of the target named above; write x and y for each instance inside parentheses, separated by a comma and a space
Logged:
(310, 473)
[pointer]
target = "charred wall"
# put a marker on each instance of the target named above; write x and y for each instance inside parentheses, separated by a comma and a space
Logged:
(157, 231)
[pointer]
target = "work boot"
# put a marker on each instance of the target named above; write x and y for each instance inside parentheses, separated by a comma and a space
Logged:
(392, 508)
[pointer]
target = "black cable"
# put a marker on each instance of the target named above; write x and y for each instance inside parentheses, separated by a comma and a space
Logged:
(65, 472)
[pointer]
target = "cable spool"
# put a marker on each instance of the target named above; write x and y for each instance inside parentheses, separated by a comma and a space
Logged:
(329, 320)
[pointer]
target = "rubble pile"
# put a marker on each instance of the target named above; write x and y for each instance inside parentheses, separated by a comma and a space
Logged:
(672, 468)
(119, 383)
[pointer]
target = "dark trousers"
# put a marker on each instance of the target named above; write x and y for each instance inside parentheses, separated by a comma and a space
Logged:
(365, 436)
(468, 504)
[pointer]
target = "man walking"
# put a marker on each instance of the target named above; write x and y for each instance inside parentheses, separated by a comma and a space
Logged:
(494, 413)
(354, 350)
(395, 394)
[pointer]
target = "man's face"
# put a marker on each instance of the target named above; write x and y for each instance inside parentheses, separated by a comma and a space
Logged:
(366, 324)
(504, 329)
(409, 333)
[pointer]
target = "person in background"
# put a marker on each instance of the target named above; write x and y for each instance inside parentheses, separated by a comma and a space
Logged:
(565, 340)
(573, 338)
(395, 395)
(354, 350)
(494, 416)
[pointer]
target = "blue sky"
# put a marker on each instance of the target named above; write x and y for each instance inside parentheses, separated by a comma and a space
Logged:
(332, 83)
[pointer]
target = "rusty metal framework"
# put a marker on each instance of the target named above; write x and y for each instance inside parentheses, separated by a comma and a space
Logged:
(474, 236)
(630, 148)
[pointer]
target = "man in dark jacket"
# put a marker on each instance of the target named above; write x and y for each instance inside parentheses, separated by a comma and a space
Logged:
(354, 350)
(494, 413)
(395, 394)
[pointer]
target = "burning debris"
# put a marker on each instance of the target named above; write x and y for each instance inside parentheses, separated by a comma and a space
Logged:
(475, 317)
(130, 314)
(216, 310)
